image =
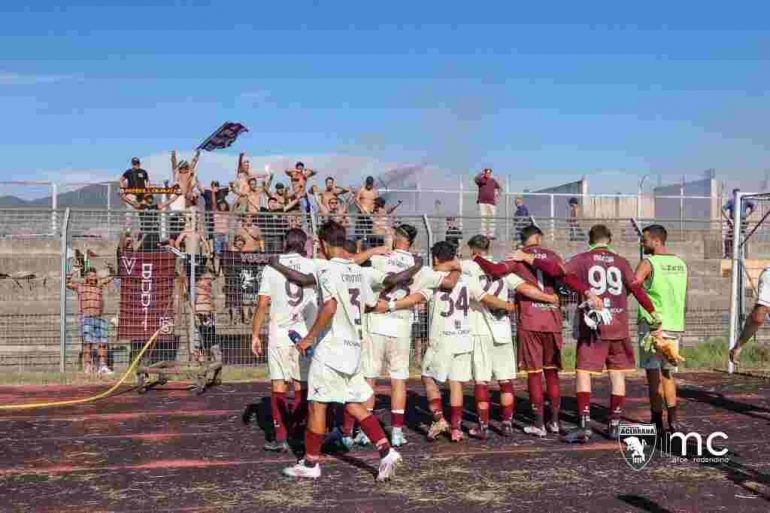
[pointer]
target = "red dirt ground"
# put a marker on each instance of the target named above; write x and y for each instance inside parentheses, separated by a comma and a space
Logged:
(169, 450)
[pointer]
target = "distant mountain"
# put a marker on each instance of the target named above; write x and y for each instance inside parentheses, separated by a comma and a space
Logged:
(12, 201)
(90, 196)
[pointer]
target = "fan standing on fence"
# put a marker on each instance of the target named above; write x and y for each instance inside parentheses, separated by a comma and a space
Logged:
(332, 191)
(489, 194)
(133, 178)
(664, 278)
(93, 328)
(364, 200)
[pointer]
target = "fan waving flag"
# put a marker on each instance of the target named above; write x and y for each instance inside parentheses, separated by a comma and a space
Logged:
(223, 137)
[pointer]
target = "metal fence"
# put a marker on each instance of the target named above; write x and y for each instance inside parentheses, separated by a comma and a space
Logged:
(197, 274)
(416, 200)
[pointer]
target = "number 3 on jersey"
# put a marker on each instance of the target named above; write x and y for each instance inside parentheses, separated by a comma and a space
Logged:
(608, 279)
(355, 294)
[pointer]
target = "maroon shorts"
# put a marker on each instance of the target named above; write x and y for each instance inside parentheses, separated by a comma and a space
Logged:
(593, 355)
(538, 350)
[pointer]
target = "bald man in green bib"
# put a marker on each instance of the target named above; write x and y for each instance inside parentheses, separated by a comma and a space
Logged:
(664, 277)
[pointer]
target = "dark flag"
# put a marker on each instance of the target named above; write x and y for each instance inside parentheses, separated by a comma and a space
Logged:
(243, 272)
(146, 294)
(224, 136)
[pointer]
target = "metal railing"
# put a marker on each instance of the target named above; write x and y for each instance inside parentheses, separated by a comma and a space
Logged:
(417, 200)
(209, 297)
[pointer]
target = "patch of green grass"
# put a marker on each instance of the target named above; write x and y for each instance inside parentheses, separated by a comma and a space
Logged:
(708, 354)
(712, 354)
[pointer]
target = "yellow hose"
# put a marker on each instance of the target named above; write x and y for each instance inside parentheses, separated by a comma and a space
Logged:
(131, 368)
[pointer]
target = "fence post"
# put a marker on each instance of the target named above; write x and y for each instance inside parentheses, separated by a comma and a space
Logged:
(109, 208)
(54, 205)
(63, 293)
(507, 233)
(313, 232)
(736, 290)
(191, 284)
(417, 196)
(553, 217)
(460, 200)
(430, 239)
(681, 206)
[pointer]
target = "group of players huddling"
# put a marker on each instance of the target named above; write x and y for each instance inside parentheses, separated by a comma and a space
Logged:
(354, 313)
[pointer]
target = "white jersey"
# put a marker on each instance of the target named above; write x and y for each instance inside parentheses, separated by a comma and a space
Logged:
(450, 314)
(399, 323)
(345, 282)
(291, 307)
(375, 278)
(763, 289)
(486, 322)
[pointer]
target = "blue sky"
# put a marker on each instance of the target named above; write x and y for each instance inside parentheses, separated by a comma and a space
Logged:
(542, 93)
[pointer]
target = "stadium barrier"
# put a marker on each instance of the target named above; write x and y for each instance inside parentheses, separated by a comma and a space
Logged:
(147, 284)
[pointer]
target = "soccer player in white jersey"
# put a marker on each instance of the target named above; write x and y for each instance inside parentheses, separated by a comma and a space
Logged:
(335, 370)
(378, 280)
(450, 349)
(493, 354)
(291, 307)
(389, 340)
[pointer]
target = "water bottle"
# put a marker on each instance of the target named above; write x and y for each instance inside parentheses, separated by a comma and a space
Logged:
(296, 338)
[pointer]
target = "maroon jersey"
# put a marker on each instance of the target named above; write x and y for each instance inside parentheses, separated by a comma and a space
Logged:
(534, 315)
(609, 276)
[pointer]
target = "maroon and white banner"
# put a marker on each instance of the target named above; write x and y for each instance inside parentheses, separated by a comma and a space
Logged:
(146, 294)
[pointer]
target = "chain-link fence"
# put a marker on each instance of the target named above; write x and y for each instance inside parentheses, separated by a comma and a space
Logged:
(198, 274)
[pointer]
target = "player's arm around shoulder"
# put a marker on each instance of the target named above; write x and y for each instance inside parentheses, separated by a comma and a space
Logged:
(410, 301)
(452, 270)
(530, 291)
(405, 276)
(322, 321)
(294, 276)
(643, 271)
(469, 268)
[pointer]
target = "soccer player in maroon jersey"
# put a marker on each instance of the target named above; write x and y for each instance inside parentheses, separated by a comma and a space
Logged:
(539, 326)
(611, 278)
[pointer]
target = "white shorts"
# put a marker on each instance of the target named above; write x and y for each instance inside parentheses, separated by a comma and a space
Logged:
(381, 353)
(285, 363)
(327, 385)
(763, 289)
(651, 359)
(492, 361)
(441, 364)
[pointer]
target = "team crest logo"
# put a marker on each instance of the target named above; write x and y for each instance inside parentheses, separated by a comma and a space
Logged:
(248, 279)
(637, 443)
